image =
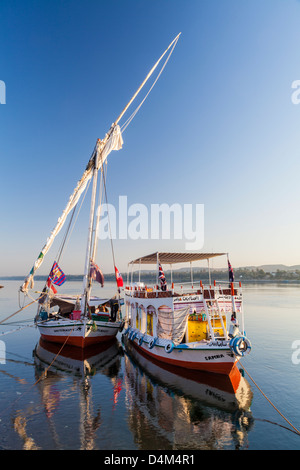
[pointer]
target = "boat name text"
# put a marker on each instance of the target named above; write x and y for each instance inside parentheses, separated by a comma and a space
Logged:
(216, 356)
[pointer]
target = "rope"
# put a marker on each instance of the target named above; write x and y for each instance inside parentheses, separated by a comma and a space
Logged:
(111, 242)
(295, 429)
(126, 123)
(15, 329)
(68, 235)
(18, 311)
(46, 370)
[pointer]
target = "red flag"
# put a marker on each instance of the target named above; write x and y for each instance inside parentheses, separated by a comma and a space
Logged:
(49, 284)
(119, 278)
(230, 270)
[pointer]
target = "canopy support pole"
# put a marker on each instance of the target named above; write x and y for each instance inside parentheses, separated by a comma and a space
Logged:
(209, 277)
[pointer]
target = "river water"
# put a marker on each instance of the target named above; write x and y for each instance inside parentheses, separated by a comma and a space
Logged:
(110, 399)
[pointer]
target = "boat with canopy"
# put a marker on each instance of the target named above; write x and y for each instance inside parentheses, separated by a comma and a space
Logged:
(83, 319)
(189, 325)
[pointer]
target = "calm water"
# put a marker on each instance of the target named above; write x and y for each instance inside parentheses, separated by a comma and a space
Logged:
(109, 399)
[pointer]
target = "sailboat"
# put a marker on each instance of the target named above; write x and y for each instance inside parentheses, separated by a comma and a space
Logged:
(83, 319)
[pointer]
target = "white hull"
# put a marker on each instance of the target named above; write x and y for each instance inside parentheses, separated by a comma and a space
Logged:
(78, 332)
(212, 356)
(228, 392)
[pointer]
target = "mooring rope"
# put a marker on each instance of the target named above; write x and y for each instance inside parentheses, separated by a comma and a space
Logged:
(251, 378)
(18, 311)
(15, 329)
(43, 375)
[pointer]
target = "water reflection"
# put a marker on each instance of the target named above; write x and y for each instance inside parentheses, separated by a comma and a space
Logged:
(186, 410)
(52, 365)
(103, 398)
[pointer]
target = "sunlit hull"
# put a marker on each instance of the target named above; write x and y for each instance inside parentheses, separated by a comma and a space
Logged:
(214, 357)
(78, 333)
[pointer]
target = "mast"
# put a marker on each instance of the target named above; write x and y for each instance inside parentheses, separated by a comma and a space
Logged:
(86, 276)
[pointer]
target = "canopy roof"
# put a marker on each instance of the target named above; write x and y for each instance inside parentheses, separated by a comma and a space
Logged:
(66, 303)
(170, 258)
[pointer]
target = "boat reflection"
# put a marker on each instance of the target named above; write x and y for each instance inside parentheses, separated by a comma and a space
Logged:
(172, 409)
(76, 361)
(52, 365)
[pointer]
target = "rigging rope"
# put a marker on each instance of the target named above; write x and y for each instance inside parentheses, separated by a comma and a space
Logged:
(110, 235)
(67, 235)
(126, 123)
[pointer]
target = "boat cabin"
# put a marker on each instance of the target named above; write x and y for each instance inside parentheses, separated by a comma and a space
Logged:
(201, 312)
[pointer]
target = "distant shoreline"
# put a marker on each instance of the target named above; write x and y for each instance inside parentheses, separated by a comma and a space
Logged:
(245, 275)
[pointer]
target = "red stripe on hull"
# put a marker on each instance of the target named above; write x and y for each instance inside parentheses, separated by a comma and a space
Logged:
(218, 368)
(77, 340)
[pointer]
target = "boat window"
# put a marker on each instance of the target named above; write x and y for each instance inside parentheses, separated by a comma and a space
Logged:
(150, 314)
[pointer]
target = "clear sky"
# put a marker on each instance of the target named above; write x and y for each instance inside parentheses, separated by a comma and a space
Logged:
(219, 127)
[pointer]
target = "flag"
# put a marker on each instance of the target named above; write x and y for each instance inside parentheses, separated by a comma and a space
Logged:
(56, 275)
(231, 275)
(161, 277)
(43, 296)
(96, 273)
(119, 278)
(49, 284)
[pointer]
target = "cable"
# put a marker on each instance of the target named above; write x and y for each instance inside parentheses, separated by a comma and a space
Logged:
(126, 123)
(295, 429)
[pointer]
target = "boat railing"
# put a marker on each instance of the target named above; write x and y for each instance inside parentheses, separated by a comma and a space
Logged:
(216, 289)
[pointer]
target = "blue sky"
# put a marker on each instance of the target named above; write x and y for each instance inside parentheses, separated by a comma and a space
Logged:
(219, 127)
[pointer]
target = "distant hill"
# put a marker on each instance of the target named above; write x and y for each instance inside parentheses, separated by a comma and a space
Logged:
(275, 267)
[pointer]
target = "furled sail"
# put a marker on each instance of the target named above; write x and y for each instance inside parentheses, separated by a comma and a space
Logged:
(112, 141)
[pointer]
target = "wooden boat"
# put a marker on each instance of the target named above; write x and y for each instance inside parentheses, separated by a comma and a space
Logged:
(176, 408)
(228, 392)
(82, 320)
(186, 325)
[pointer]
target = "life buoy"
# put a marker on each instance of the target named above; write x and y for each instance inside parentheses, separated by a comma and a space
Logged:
(169, 347)
(240, 345)
(131, 333)
(152, 343)
(141, 339)
(133, 336)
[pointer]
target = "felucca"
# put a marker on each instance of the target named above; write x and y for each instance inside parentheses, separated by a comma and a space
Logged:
(82, 320)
